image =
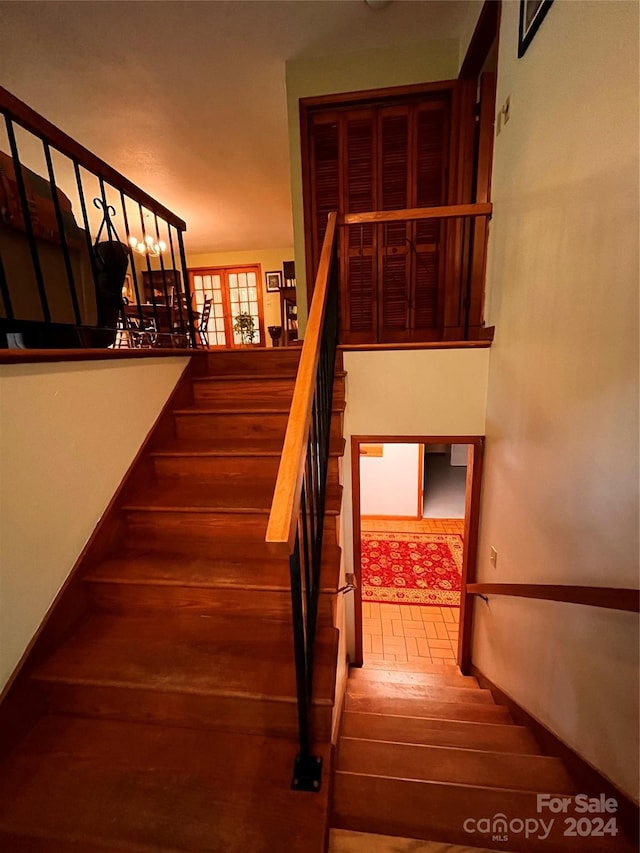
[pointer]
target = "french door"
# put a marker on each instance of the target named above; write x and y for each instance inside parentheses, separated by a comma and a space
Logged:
(232, 291)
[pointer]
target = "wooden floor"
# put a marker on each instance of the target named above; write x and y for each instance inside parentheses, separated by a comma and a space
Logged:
(167, 716)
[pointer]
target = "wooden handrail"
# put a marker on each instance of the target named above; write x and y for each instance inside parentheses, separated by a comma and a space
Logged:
(285, 508)
(449, 211)
(594, 596)
(32, 121)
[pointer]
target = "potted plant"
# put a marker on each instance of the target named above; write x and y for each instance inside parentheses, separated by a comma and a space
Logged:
(244, 325)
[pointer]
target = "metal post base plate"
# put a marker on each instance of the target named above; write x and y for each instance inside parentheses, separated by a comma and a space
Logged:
(307, 773)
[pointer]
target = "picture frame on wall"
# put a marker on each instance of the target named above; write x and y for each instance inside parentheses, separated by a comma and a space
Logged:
(273, 280)
(532, 14)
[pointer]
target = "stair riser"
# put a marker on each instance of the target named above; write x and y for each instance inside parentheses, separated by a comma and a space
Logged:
(276, 360)
(252, 716)
(243, 393)
(244, 469)
(138, 599)
(437, 812)
(222, 535)
(479, 713)
(490, 736)
(460, 766)
(361, 690)
(254, 428)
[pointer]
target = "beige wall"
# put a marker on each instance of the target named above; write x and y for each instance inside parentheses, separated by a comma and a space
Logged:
(269, 260)
(390, 484)
(421, 62)
(408, 392)
(69, 433)
(560, 498)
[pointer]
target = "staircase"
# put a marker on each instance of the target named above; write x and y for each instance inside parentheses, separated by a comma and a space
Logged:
(422, 752)
(170, 716)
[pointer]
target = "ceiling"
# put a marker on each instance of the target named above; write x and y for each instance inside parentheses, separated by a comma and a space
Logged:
(187, 99)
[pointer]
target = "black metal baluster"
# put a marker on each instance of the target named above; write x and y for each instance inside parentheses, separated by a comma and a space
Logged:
(167, 300)
(87, 232)
(4, 292)
(28, 224)
(134, 273)
(179, 294)
(187, 291)
(63, 237)
(307, 771)
(154, 303)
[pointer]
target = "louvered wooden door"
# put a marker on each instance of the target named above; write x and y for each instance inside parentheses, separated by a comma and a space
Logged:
(384, 158)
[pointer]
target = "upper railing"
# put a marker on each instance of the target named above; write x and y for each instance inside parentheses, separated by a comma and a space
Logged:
(296, 522)
(80, 274)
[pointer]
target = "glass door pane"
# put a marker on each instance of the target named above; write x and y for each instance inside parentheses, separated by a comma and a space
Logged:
(243, 298)
(209, 287)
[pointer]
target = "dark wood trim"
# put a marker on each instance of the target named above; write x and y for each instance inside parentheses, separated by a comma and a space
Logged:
(613, 598)
(32, 121)
(470, 557)
(446, 211)
(356, 441)
(485, 33)
(38, 356)
(419, 439)
(480, 344)
(588, 780)
(472, 516)
(380, 96)
(21, 703)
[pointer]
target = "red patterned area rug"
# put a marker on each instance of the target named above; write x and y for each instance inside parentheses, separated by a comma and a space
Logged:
(412, 568)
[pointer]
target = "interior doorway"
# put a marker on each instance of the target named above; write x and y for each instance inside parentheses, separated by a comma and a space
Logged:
(415, 517)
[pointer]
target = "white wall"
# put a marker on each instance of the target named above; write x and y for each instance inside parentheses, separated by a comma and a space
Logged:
(408, 393)
(560, 497)
(69, 432)
(389, 484)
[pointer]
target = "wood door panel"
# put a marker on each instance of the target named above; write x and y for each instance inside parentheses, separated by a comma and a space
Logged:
(389, 153)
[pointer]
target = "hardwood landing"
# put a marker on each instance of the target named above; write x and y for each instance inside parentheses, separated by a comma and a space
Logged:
(168, 716)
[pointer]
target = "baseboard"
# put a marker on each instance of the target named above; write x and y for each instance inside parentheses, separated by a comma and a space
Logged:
(589, 780)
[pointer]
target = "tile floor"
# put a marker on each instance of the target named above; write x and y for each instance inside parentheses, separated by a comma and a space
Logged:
(409, 633)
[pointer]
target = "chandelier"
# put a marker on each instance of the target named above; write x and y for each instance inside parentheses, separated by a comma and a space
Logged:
(148, 246)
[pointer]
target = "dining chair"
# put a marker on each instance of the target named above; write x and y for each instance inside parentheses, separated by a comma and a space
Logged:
(204, 321)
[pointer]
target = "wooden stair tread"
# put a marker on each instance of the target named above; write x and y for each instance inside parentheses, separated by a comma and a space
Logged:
(158, 787)
(234, 446)
(425, 762)
(359, 675)
(439, 732)
(287, 373)
(431, 690)
(437, 811)
(416, 667)
(175, 494)
(199, 655)
(141, 567)
(223, 411)
(420, 707)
